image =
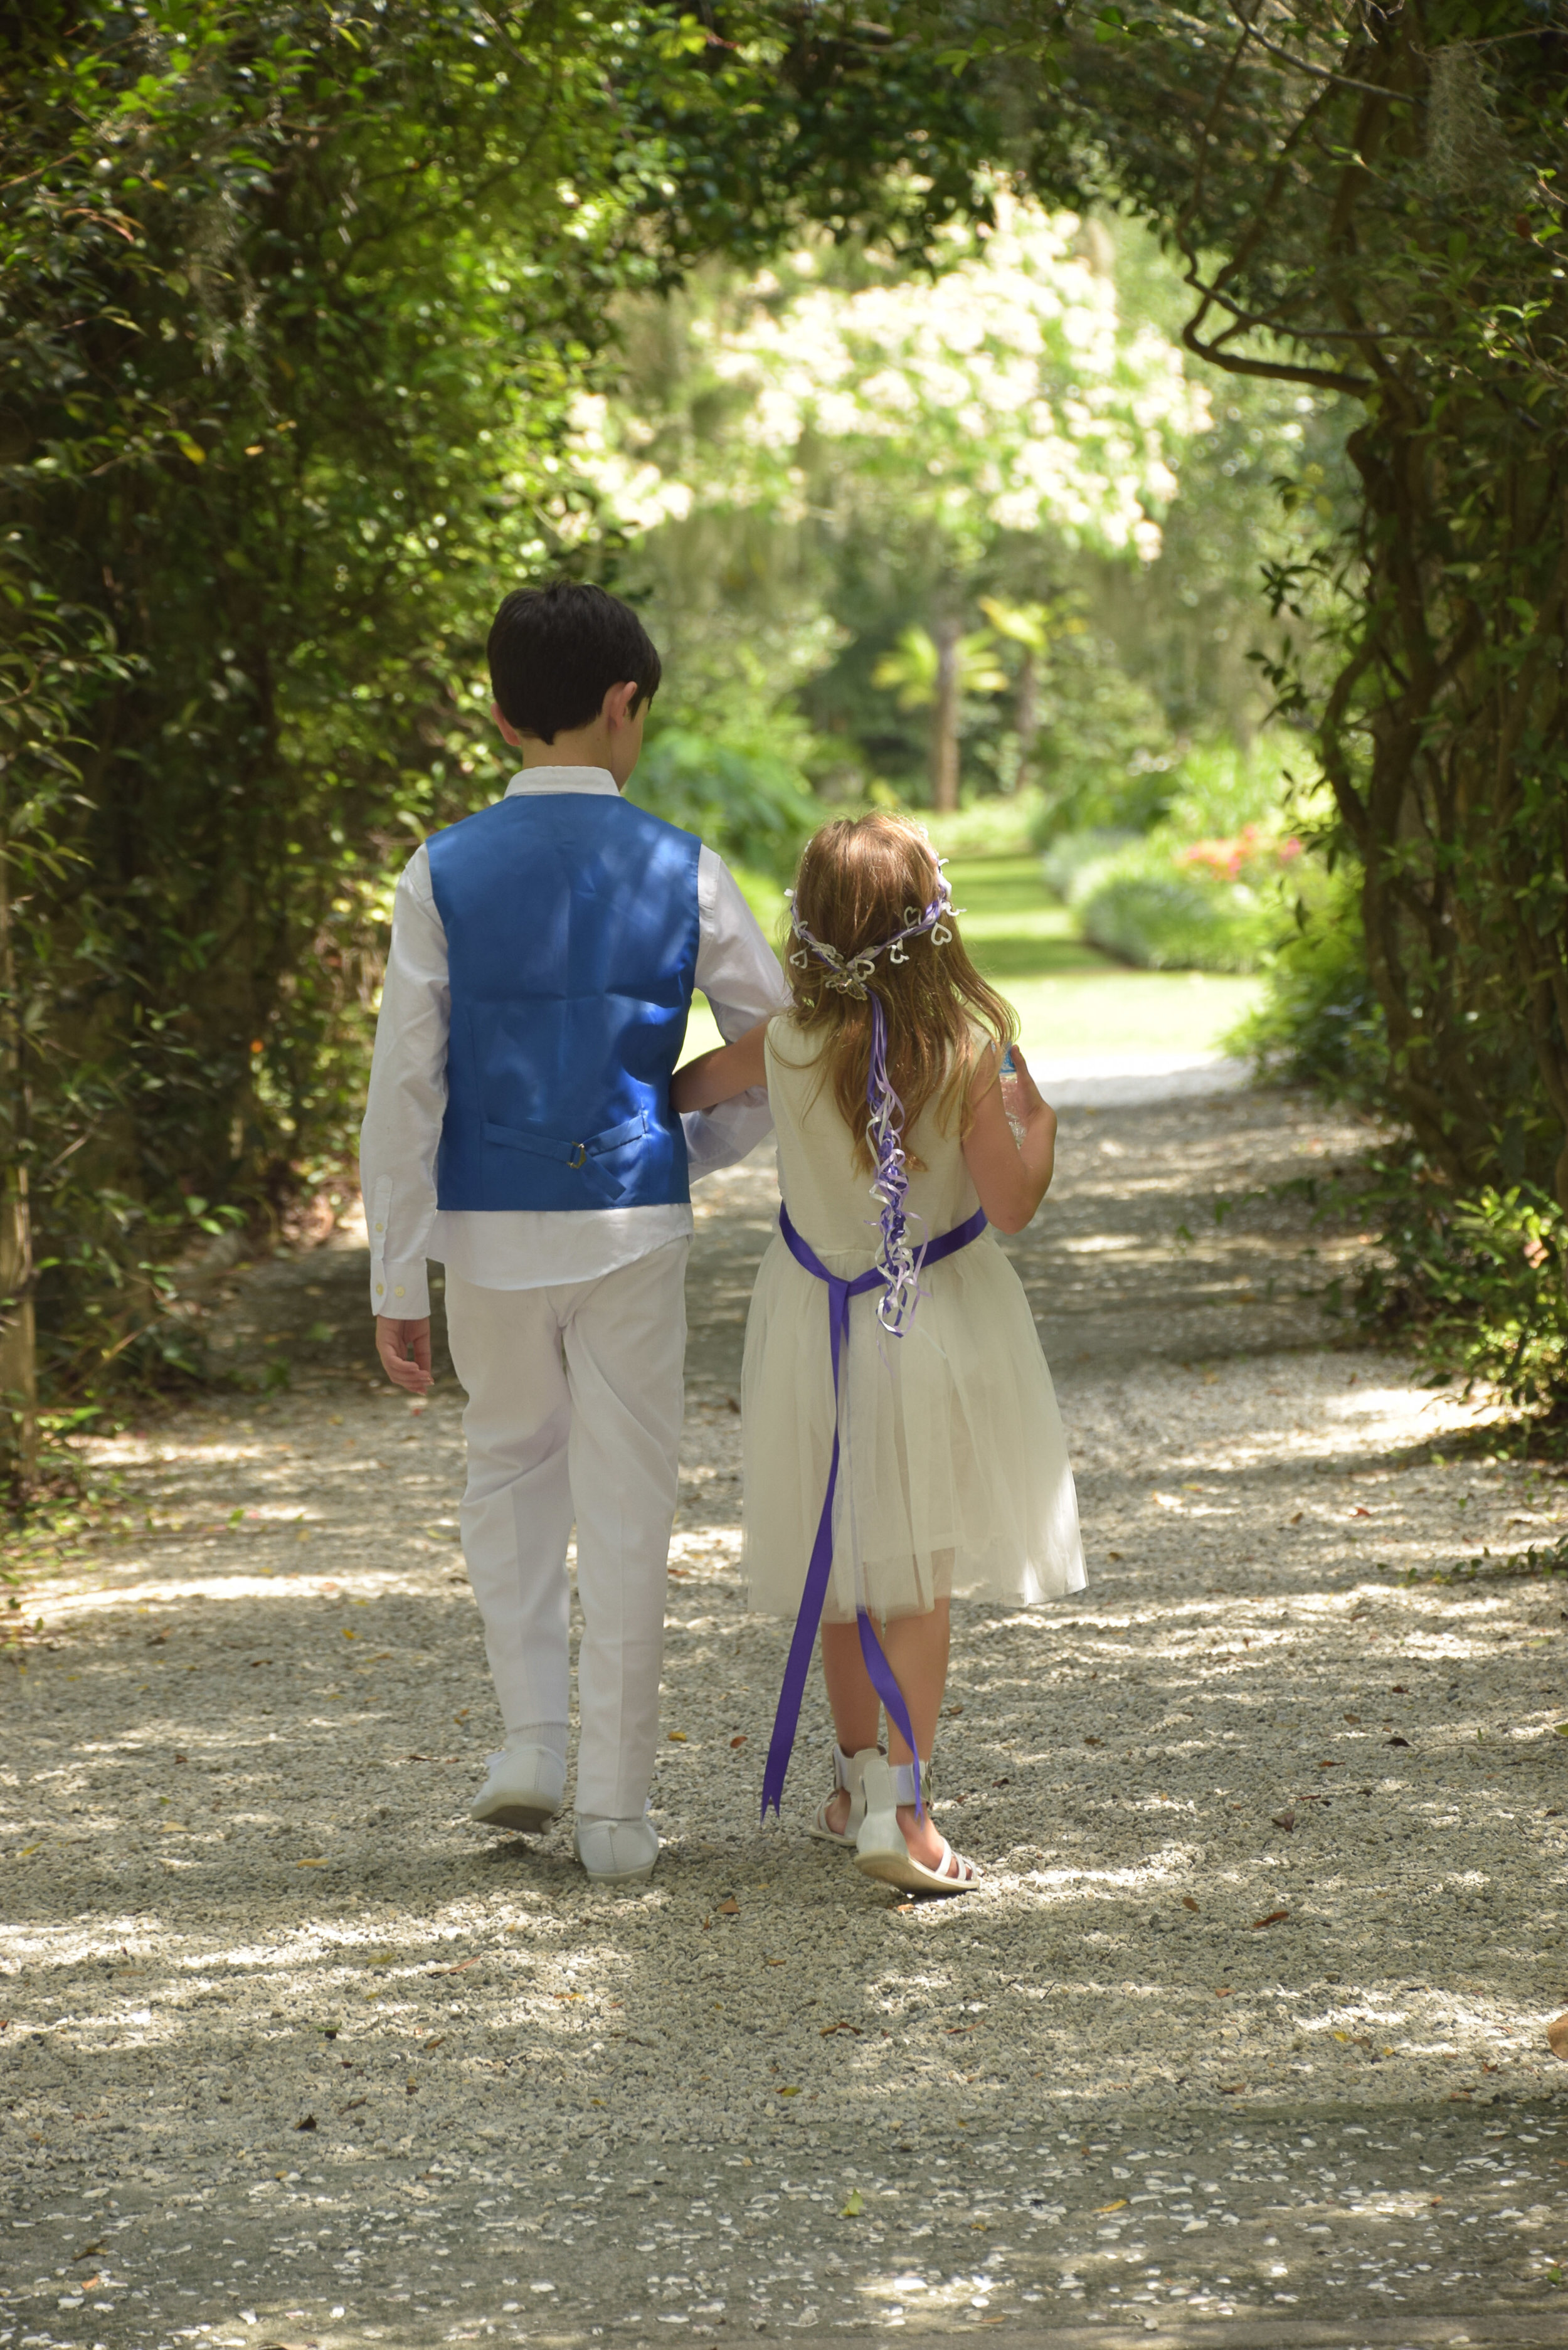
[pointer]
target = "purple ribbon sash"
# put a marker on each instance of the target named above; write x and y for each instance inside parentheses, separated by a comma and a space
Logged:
(815, 1595)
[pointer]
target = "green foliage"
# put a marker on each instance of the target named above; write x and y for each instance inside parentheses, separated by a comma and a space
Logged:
(828, 459)
(1485, 1280)
(1142, 905)
(1104, 751)
(297, 308)
(1204, 889)
(909, 671)
(745, 798)
(1369, 204)
(1320, 1023)
(995, 825)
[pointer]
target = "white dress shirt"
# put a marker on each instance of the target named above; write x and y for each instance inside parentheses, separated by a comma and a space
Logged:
(529, 1248)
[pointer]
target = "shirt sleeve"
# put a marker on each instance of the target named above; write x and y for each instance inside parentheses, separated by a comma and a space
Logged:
(407, 1099)
(739, 973)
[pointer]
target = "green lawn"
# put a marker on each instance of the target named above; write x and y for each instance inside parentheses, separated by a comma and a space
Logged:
(1073, 1001)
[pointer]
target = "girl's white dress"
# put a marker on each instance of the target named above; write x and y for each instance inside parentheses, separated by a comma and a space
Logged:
(954, 1476)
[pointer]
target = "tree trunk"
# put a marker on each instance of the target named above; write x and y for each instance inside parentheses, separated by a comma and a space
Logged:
(944, 718)
(1027, 716)
(18, 1339)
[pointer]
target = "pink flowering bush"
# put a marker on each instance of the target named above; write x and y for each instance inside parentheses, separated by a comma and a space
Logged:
(1212, 886)
(1249, 851)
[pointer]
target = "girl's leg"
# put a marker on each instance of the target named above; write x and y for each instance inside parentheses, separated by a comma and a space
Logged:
(917, 1649)
(857, 1708)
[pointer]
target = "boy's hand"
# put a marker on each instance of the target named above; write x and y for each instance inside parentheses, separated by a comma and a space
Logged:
(405, 1351)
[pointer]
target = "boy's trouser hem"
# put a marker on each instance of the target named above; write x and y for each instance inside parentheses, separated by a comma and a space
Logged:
(575, 1407)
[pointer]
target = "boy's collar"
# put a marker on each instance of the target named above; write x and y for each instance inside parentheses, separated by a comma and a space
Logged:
(562, 779)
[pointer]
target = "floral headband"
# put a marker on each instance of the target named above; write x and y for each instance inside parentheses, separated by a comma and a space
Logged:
(850, 974)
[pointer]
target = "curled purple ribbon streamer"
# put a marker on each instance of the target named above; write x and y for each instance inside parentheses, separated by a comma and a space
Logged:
(804, 1638)
(898, 1263)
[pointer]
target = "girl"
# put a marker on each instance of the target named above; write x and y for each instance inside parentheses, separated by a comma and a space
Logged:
(906, 1448)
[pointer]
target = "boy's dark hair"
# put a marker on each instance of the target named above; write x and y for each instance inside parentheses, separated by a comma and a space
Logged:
(555, 651)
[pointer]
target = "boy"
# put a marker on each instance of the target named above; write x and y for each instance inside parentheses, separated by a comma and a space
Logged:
(519, 1129)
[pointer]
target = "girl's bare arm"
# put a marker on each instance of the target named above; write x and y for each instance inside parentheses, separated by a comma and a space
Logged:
(1011, 1178)
(715, 1076)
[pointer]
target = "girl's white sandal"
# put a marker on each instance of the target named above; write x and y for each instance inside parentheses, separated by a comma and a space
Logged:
(880, 1850)
(849, 1775)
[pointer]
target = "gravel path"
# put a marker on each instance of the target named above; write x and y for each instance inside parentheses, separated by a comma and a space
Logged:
(1245, 2038)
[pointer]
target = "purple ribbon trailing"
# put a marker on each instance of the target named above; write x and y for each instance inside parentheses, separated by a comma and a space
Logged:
(839, 1293)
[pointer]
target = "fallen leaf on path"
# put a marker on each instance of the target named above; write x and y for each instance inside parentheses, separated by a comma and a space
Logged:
(1188, 1902)
(1557, 2037)
(1396, 1741)
(462, 1967)
(1359, 1512)
(308, 2124)
(730, 1908)
(87, 2252)
(853, 2207)
(1274, 1918)
(739, 1742)
(789, 2093)
(828, 2029)
(1094, 1741)
(1331, 1767)
(1285, 1820)
(1119, 2205)
(676, 1737)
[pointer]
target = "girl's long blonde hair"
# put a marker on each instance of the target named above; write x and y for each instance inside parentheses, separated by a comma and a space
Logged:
(858, 879)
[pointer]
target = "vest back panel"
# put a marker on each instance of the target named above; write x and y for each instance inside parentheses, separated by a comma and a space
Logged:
(572, 927)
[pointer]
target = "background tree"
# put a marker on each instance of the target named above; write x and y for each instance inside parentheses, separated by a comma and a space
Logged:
(1366, 202)
(936, 673)
(838, 436)
(296, 305)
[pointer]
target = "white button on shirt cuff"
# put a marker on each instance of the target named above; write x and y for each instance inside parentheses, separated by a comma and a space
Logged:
(401, 1290)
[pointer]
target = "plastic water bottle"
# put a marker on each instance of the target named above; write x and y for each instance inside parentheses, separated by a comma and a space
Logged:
(1012, 1095)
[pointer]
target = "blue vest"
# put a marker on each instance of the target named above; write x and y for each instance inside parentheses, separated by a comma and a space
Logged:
(571, 928)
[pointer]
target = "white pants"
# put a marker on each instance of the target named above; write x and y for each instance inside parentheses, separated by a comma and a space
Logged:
(574, 1409)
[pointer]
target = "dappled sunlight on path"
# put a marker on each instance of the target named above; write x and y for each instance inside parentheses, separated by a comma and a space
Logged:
(1273, 1839)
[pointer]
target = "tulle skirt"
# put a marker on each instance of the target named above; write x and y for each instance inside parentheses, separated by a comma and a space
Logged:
(953, 1476)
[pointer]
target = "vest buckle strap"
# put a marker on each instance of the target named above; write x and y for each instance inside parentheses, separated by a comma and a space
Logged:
(534, 1140)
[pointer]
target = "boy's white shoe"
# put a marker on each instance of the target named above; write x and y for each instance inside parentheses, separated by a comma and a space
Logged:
(524, 1791)
(617, 1852)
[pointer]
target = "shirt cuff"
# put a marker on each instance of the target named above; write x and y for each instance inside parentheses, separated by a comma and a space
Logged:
(724, 1135)
(401, 1291)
